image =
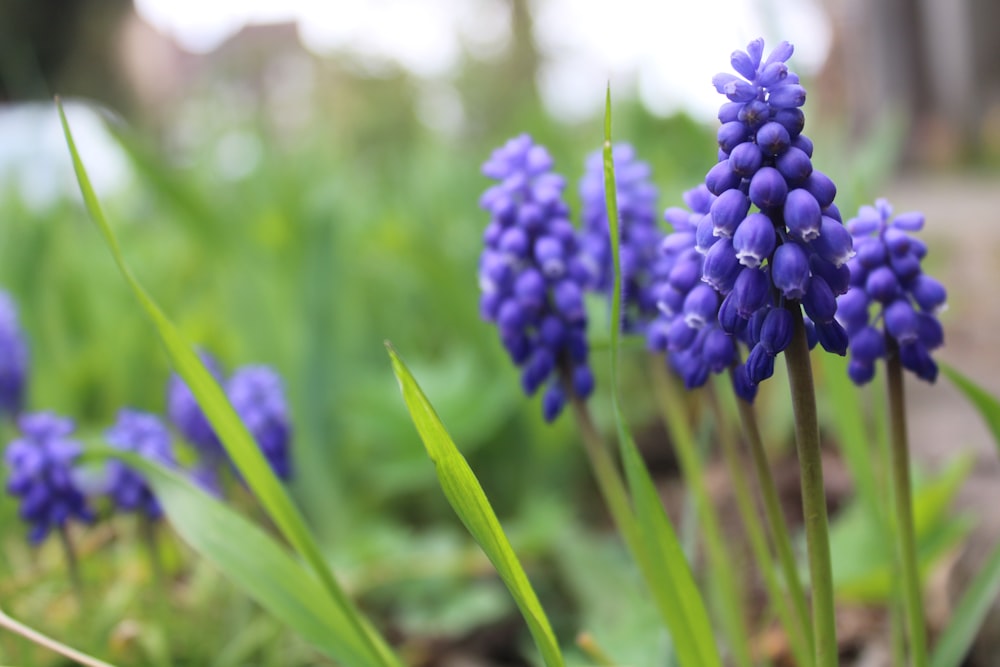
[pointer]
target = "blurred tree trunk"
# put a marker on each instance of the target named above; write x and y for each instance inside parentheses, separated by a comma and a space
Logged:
(67, 47)
(934, 61)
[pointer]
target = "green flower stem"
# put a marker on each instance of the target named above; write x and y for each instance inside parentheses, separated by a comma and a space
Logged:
(775, 517)
(903, 505)
(38, 638)
(609, 479)
(72, 564)
(813, 492)
(794, 619)
(722, 569)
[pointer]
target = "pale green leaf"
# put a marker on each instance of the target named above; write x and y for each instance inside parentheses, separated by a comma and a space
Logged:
(470, 503)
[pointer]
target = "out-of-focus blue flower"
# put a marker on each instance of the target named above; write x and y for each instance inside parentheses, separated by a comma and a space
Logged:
(532, 275)
(41, 473)
(258, 396)
(886, 272)
(688, 326)
(638, 231)
(146, 435)
(773, 238)
(187, 417)
(13, 358)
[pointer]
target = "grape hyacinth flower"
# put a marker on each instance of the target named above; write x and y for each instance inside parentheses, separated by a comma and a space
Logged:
(13, 358)
(638, 230)
(188, 418)
(688, 328)
(773, 240)
(146, 435)
(886, 272)
(258, 396)
(41, 466)
(532, 275)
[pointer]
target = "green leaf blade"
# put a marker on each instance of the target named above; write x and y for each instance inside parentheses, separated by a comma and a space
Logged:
(470, 503)
(661, 557)
(985, 403)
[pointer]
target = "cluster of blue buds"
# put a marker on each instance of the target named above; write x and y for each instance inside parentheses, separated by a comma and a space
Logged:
(793, 248)
(187, 417)
(532, 274)
(146, 435)
(886, 271)
(258, 396)
(639, 233)
(41, 473)
(687, 328)
(13, 358)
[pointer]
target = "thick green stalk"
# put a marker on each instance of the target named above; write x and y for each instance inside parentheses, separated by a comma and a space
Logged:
(722, 569)
(813, 492)
(793, 619)
(903, 505)
(775, 517)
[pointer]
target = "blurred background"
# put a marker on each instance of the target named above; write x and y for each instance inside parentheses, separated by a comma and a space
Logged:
(297, 182)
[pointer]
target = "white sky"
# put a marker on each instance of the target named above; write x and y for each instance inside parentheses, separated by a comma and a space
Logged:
(665, 51)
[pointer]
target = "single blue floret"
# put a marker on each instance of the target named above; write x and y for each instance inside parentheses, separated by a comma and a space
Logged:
(532, 274)
(41, 464)
(886, 273)
(146, 435)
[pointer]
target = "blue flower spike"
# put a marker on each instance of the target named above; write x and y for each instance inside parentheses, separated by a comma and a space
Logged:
(886, 273)
(146, 435)
(258, 395)
(532, 274)
(779, 242)
(13, 358)
(639, 232)
(41, 464)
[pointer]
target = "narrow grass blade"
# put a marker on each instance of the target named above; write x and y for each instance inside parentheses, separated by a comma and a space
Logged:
(231, 431)
(252, 559)
(982, 591)
(663, 563)
(984, 402)
(954, 643)
(469, 501)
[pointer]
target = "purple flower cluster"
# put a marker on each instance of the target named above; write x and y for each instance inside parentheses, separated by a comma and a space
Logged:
(257, 395)
(886, 271)
(13, 358)
(186, 415)
(687, 328)
(639, 233)
(41, 473)
(773, 239)
(146, 435)
(532, 273)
